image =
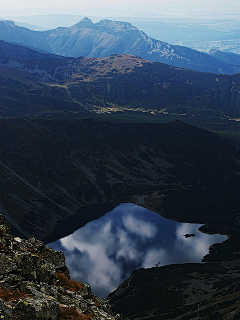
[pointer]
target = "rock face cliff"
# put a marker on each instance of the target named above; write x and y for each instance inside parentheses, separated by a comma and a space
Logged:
(35, 284)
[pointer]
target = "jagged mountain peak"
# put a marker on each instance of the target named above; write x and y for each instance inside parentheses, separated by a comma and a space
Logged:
(86, 19)
(84, 23)
(117, 25)
(10, 22)
(106, 23)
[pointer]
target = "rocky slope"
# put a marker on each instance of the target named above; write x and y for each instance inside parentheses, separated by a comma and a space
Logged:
(111, 37)
(49, 169)
(191, 291)
(34, 84)
(35, 284)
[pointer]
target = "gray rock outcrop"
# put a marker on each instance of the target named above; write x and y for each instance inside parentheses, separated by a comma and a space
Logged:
(35, 284)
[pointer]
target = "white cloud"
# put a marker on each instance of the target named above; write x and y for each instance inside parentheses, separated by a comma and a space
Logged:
(195, 247)
(126, 248)
(154, 256)
(105, 251)
(93, 264)
(139, 227)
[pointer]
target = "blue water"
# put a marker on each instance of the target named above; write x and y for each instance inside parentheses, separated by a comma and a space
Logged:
(104, 252)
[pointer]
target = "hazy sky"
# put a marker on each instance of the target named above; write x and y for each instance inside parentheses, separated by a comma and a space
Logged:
(124, 8)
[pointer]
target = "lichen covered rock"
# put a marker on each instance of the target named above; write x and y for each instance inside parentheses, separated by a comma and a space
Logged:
(35, 284)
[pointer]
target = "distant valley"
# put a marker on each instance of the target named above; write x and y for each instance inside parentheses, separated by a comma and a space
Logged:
(37, 84)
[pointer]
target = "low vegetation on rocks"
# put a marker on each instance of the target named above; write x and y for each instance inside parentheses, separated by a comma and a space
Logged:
(35, 284)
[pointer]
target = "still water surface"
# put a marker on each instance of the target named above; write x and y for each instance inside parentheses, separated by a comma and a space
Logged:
(105, 251)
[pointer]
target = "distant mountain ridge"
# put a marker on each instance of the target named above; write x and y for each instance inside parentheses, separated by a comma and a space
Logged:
(108, 37)
(226, 57)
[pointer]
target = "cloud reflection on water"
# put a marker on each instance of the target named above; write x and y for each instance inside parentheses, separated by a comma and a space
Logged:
(105, 251)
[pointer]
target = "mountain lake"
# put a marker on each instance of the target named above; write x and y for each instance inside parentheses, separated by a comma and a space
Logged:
(105, 251)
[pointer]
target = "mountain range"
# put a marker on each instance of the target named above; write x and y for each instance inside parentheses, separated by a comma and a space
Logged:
(108, 37)
(35, 84)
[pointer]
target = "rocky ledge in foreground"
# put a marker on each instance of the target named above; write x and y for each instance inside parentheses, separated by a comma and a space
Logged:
(35, 284)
